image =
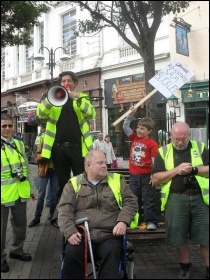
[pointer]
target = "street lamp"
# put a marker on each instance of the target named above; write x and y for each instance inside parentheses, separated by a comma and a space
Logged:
(173, 103)
(40, 57)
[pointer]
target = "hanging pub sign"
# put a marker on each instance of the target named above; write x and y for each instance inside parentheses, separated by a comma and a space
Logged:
(181, 40)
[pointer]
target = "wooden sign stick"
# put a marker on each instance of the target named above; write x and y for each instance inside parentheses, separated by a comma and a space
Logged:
(135, 107)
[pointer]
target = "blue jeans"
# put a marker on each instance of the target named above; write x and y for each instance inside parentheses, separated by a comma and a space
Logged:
(139, 185)
(42, 186)
(47, 198)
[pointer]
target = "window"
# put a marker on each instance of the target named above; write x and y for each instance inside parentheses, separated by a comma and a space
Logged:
(30, 56)
(41, 40)
(69, 38)
(2, 65)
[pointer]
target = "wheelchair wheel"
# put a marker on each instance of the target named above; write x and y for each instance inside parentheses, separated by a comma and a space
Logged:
(130, 270)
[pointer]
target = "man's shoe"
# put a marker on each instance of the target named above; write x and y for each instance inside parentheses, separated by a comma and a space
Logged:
(54, 223)
(4, 266)
(151, 226)
(186, 271)
(24, 257)
(33, 223)
(47, 204)
(50, 217)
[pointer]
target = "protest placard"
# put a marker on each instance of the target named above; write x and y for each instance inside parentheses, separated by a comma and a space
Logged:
(166, 81)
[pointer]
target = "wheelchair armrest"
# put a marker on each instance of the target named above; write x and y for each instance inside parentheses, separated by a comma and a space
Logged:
(81, 221)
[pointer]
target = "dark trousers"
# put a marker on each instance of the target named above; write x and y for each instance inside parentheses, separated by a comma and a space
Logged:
(139, 185)
(107, 253)
(18, 221)
(66, 160)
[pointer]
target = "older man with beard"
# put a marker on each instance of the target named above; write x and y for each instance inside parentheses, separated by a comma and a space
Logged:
(182, 170)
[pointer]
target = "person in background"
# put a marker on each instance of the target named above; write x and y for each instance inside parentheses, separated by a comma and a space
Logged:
(142, 153)
(110, 155)
(67, 139)
(182, 170)
(107, 223)
(18, 136)
(99, 143)
(40, 138)
(16, 189)
(45, 181)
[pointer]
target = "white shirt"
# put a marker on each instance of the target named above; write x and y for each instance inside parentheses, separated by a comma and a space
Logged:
(110, 156)
(99, 145)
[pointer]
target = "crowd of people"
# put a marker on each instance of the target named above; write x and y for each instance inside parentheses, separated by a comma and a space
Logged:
(75, 168)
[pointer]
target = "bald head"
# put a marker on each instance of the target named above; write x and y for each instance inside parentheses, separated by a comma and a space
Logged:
(180, 127)
(180, 135)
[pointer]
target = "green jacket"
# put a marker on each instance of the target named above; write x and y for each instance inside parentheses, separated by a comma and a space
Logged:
(11, 188)
(84, 112)
(166, 153)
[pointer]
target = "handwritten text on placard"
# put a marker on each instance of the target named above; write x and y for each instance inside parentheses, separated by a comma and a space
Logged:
(171, 78)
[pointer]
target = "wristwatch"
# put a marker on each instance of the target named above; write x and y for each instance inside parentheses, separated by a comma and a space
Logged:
(194, 171)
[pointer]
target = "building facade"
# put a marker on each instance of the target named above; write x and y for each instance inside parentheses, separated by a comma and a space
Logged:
(106, 66)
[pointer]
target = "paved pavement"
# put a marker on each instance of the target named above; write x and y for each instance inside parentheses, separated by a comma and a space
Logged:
(44, 243)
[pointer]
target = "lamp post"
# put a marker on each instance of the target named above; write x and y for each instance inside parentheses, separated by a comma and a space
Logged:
(173, 103)
(40, 57)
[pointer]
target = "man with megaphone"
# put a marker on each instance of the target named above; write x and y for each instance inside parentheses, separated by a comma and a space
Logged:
(67, 138)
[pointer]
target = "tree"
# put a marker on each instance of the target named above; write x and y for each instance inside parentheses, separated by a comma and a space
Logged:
(142, 17)
(17, 19)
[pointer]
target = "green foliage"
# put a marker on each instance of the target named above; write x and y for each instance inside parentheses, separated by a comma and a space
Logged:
(17, 19)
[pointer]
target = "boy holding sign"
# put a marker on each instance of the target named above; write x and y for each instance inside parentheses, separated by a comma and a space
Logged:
(142, 153)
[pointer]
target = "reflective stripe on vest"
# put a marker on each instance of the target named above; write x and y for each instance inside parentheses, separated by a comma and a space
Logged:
(11, 188)
(114, 183)
(53, 112)
(166, 152)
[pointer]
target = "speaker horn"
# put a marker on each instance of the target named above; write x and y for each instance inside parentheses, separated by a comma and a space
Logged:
(57, 95)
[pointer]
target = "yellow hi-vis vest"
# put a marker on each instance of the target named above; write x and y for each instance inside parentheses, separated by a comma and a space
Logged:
(114, 183)
(11, 188)
(166, 153)
(45, 109)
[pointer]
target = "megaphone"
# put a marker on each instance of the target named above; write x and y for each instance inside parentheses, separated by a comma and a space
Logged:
(57, 95)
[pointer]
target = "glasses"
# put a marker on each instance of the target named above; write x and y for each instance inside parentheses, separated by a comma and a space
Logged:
(180, 139)
(6, 125)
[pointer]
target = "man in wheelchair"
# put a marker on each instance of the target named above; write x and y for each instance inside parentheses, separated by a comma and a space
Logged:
(110, 206)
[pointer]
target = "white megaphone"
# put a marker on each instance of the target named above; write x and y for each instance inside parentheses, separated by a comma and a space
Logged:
(57, 95)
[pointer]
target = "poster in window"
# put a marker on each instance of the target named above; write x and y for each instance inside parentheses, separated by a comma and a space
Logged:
(181, 41)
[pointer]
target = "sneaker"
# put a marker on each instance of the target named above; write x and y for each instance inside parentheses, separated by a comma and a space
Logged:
(185, 272)
(151, 226)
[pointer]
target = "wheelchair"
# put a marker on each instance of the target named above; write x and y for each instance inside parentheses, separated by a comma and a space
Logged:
(126, 268)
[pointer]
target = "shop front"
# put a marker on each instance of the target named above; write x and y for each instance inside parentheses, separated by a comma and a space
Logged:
(120, 93)
(195, 97)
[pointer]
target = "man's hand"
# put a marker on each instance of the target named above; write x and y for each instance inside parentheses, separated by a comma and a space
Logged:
(120, 229)
(75, 238)
(184, 168)
(73, 95)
